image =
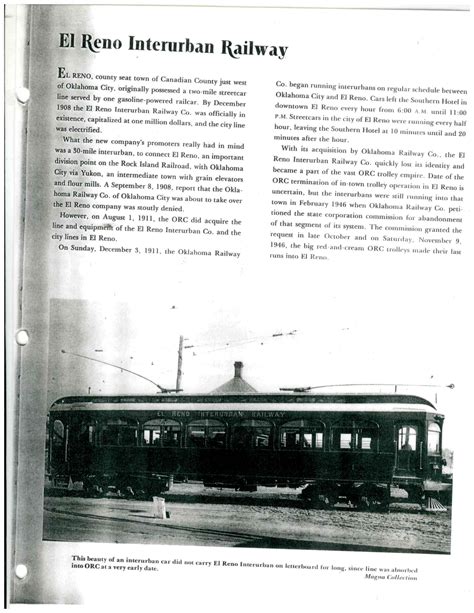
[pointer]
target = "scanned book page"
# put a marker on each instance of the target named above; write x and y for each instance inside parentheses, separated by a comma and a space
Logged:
(245, 287)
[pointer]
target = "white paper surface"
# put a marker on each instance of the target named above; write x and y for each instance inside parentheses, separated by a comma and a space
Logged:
(360, 316)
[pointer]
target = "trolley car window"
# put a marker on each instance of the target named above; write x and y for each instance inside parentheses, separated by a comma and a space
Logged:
(251, 433)
(291, 440)
(368, 437)
(365, 442)
(342, 436)
(356, 436)
(301, 434)
(434, 438)
(82, 432)
(58, 433)
(120, 432)
(162, 433)
(345, 440)
(407, 438)
(206, 433)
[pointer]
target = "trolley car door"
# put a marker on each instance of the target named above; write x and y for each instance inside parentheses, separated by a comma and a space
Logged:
(407, 449)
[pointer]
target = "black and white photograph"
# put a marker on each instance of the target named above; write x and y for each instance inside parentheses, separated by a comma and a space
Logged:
(358, 467)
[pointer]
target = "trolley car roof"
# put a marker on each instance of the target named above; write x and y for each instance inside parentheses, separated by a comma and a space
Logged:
(261, 402)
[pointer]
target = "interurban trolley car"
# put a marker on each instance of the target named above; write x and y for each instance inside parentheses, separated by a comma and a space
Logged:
(341, 447)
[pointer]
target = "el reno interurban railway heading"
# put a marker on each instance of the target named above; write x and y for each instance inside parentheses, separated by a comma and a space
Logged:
(227, 47)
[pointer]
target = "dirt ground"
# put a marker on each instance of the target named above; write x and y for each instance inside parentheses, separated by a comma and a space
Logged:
(270, 518)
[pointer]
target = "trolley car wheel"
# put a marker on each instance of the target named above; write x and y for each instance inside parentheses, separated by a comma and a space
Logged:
(320, 496)
(378, 504)
(96, 491)
(372, 502)
(363, 503)
(326, 501)
(128, 492)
